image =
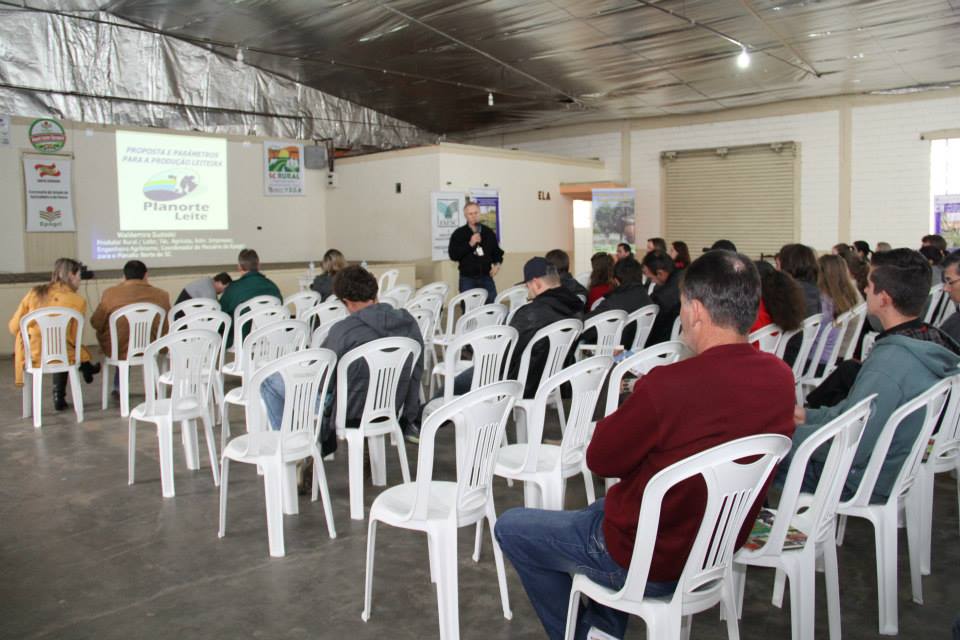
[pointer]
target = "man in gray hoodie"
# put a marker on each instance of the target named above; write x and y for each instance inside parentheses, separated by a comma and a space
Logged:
(368, 320)
(909, 357)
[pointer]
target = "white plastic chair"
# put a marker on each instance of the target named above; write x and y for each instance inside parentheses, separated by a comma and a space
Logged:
(644, 317)
(491, 348)
(191, 306)
(389, 300)
(190, 353)
(854, 328)
(386, 360)
(583, 278)
(609, 329)
(305, 375)
(869, 340)
(401, 293)
(544, 468)
(560, 336)
(947, 308)
(256, 318)
(513, 298)
(487, 315)
(324, 313)
(439, 508)
(944, 456)
(256, 302)
(145, 323)
(436, 288)
(425, 319)
(676, 330)
(301, 302)
(769, 338)
(934, 302)
(55, 327)
(261, 347)
(732, 488)
(387, 280)
(883, 516)
(471, 299)
(820, 355)
(814, 516)
(319, 334)
(810, 328)
(219, 323)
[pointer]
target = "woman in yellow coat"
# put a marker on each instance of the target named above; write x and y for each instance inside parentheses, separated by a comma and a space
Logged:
(61, 291)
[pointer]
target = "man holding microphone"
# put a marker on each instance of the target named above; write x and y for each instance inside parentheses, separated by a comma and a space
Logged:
(474, 247)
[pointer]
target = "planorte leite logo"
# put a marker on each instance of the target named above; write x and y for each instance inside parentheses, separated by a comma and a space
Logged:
(50, 214)
(167, 186)
(47, 170)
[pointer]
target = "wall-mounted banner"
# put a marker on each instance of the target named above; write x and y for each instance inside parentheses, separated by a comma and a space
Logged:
(946, 218)
(613, 218)
(4, 131)
(446, 214)
(46, 135)
(489, 202)
(283, 169)
(48, 193)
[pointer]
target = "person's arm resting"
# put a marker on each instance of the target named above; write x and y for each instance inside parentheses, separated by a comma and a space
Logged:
(623, 439)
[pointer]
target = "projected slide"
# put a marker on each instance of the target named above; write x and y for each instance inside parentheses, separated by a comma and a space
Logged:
(171, 183)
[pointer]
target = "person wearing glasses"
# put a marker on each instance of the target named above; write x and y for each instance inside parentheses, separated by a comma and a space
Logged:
(951, 286)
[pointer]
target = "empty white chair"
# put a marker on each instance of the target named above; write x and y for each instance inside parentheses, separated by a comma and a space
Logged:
(256, 318)
(544, 468)
(401, 293)
(513, 298)
(256, 302)
(944, 455)
(219, 323)
(144, 323)
(583, 278)
(706, 579)
(560, 336)
(386, 359)
(425, 319)
(191, 306)
(490, 350)
(262, 346)
(609, 328)
(821, 355)
(301, 302)
(305, 376)
(471, 299)
(435, 288)
(56, 325)
(324, 313)
(487, 315)
(389, 300)
(815, 518)
(189, 353)
(767, 337)
(883, 516)
(388, 280)
(643, 318)
(439, 508)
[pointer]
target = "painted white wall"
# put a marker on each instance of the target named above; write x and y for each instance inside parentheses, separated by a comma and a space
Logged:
(602, 146)
(891, 169)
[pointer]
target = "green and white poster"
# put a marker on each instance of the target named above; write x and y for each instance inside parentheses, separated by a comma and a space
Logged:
(283, 169)
(613, 218)
(446, 214)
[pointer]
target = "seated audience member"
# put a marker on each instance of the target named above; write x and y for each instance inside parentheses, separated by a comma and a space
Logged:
(561, 262)
(781, 299)
(659, 268)
(883, 246)
(951, 286)
(800, 261)
(862, 247)
(932, 240)
(935, 257)
(601, 277)
(841, 249)
(249, 285)
(656, 244)
(61, 291)
(369, 320)
(623, 251)
(629, 295)
(727, 390)
(134, 288)
(722, 245)
(205, 287)
(333, 262)
(680, 254)
(837, 296)
(908, 358)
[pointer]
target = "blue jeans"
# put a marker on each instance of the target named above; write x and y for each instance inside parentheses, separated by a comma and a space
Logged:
(274, 396)
(483, 282)
(547, 547)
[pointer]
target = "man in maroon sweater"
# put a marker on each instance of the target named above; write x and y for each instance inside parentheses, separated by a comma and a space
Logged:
(728, 390)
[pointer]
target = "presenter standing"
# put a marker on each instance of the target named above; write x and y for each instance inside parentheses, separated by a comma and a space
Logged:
(475, 249)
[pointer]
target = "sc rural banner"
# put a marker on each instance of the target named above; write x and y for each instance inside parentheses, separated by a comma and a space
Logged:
(283, 166)
(49, 198)
(171, 183)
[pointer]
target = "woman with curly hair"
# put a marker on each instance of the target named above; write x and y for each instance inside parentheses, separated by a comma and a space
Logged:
(781, 299)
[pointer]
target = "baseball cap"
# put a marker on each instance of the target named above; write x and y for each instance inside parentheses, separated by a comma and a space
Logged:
(535, 268)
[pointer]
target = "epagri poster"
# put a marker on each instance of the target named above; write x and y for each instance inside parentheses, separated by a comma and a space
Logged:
(613, 218)
(283, 167)
(489, 202)
(446, 214)
(49, 198)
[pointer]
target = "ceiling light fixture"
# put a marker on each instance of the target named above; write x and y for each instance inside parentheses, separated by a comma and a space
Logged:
(239, 53)
(490, 99)
(743, 60)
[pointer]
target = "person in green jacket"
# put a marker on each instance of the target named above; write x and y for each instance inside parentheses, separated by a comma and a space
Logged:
(250, 284)
(908, 358)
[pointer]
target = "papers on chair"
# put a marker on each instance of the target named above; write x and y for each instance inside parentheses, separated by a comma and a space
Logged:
(795, 539)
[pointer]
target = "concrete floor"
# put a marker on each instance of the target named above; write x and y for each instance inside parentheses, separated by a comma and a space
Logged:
(84, 555)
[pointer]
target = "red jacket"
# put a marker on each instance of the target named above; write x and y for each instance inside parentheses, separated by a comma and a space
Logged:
(725, 393)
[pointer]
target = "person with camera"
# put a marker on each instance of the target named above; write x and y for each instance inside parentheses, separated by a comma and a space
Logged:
(61, 291)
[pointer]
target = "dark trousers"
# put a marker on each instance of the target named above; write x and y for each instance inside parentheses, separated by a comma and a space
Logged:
(481, 282)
